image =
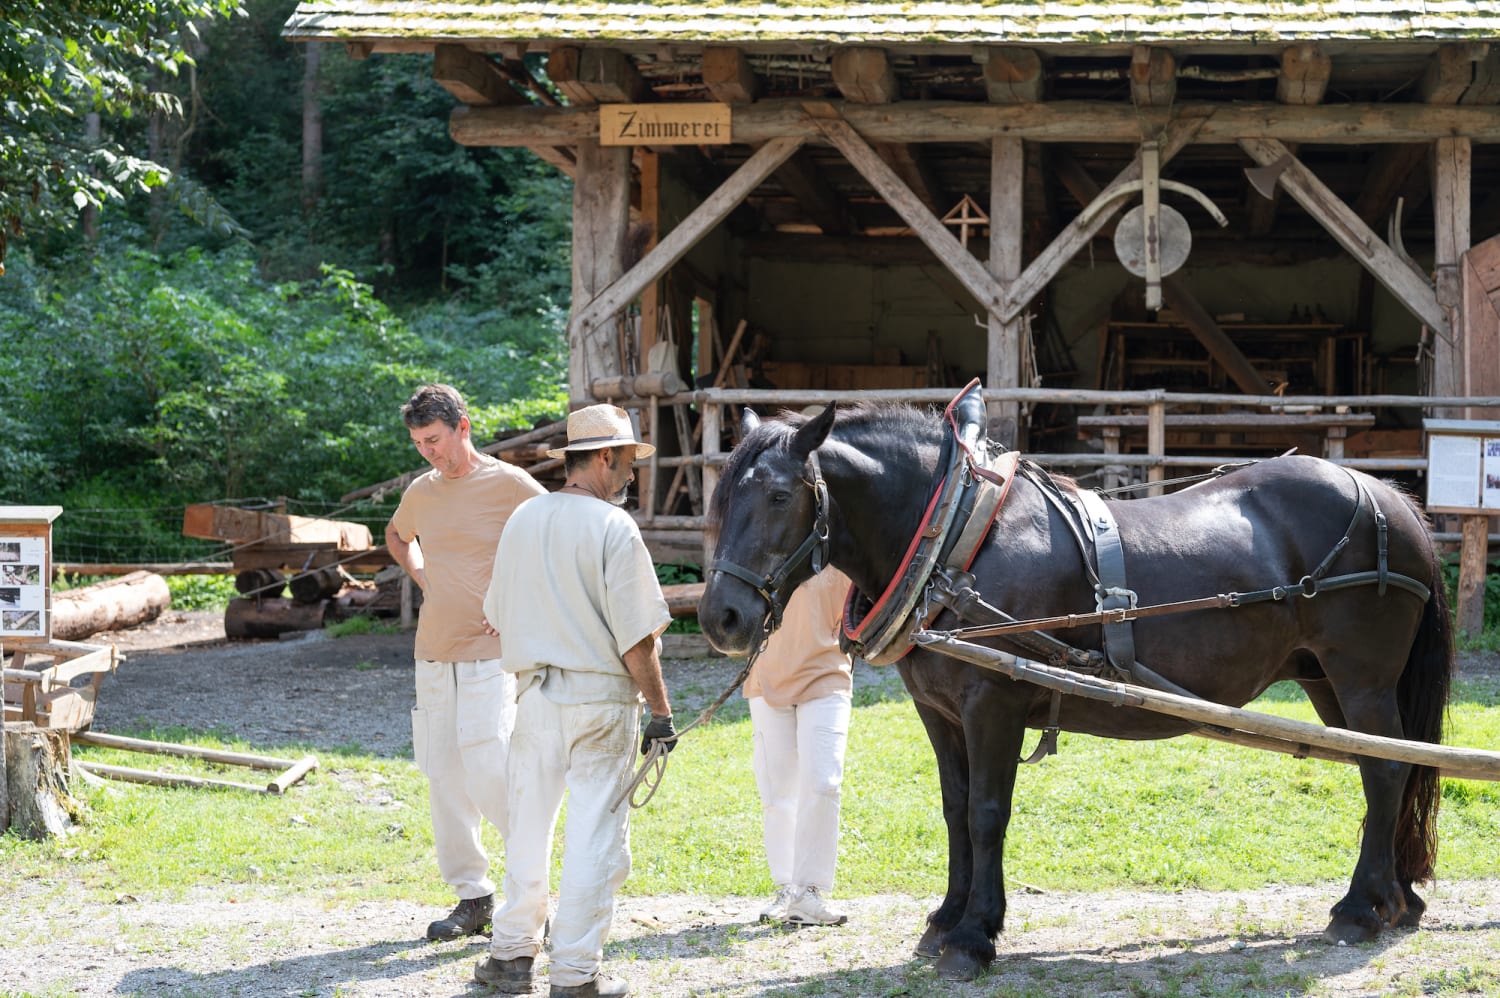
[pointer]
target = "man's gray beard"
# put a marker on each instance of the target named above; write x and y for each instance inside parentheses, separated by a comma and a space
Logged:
(619, 498)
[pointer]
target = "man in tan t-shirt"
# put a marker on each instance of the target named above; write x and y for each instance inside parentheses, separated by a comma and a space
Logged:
(444, 534)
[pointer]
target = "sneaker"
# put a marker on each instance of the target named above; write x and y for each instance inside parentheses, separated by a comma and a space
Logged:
(470, 917)
(776, 910)
(809, 908)
(601, 986)
(511, 977)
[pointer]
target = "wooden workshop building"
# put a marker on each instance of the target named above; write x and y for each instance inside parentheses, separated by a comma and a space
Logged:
(783, 202)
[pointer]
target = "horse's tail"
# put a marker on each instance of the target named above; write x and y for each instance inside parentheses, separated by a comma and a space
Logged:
(1422, 693)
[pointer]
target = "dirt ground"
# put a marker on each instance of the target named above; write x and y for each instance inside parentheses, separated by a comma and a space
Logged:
(181, 671)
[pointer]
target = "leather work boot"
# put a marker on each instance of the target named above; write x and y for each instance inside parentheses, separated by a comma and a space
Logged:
(511, 977)
(470, 917)
(776, 910)
(811, 909)
(602, 986)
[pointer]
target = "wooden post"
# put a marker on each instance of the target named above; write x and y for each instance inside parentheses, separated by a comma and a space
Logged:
(650, 169)
(1451, 161)
(601, 219)
(408, 613)
(711, 423)
(1003, 356)
(1473, 554)
(648, 490)
(1156, 442)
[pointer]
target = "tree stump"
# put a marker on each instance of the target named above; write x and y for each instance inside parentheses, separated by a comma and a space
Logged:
(34, 798)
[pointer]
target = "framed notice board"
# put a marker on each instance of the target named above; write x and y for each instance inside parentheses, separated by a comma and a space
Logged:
(26, 573)
(1463, 466)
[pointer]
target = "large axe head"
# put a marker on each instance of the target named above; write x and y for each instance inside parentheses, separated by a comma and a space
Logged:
(1263, 178)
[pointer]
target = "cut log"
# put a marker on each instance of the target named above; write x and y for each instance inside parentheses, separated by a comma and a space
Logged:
(271, 618)
(263, 582)
(34, 798)
(354, 601)
(682, 600)
(317, 584)
(110, 605)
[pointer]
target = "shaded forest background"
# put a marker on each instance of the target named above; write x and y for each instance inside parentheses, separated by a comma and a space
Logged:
(251, 327)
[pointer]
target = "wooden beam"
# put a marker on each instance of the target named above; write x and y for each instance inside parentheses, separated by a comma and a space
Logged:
(1048, 121)
(1451, 167)
(601, 222)
(1153, 77)
(927, 227)
(1485, 88)
(865, 75)
(816, 196)
(1305, 71)
(589, 76)
(727, 75)
(1003, 348)
(1077, 234)
(1450, 72)
(1217, 342)
(595, 310)
(1012, 75)
(472, 77)
(1479, 282)
(1415, 294)
(1261, 211)
(908, 164)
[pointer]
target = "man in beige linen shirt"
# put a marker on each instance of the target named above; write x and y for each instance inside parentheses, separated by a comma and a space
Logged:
(575, 600)
(444, 534)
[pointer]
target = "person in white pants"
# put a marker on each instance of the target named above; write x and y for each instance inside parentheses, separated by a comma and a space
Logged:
(574, 598)
(444, 534)
(799, 693)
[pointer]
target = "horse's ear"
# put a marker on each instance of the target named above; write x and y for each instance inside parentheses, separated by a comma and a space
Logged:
(811, 434)
(748, 420)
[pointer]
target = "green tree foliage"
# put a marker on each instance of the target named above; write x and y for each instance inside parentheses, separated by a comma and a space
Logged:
(61, 61)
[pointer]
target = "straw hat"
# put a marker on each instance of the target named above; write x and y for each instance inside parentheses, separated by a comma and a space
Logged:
(598, 426)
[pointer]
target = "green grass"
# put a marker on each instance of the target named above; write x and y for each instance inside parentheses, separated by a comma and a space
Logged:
(1102, 814)
(361, 625)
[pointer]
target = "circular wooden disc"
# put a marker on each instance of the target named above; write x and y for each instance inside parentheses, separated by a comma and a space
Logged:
(1130, 244)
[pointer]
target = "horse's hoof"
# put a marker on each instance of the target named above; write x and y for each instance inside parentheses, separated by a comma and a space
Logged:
(930, 946)
(957, 965)
(1348, 931)
(1412, 916)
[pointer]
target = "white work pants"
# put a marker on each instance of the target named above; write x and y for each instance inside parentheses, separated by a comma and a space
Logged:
(799, 768)
(588, 750)
(460, 735)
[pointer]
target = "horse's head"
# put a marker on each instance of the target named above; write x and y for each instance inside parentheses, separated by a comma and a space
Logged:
(768, 525)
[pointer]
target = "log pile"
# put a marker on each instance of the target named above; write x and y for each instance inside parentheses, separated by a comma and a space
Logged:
(274, 552)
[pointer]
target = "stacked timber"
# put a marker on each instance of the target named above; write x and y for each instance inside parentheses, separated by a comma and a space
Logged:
(274, 551)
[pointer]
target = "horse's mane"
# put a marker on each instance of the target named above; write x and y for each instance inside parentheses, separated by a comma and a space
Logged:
(861, 425)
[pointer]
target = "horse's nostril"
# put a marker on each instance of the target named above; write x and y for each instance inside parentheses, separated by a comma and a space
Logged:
(730, 621)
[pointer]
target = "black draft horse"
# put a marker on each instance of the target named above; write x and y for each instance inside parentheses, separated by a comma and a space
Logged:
(1371, 662)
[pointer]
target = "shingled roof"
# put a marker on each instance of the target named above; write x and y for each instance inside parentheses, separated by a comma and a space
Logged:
(809, 22)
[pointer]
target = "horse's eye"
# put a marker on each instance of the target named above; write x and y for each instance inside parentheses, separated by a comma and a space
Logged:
(780, 498)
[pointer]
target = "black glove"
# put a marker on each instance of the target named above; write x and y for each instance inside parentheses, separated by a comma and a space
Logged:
(660, 729)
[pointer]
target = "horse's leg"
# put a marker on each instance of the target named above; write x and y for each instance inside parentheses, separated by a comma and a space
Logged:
(1376, 897)
(953, 777)
(994, 725)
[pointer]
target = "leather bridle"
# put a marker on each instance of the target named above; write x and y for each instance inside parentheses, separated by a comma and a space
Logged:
(815, 545)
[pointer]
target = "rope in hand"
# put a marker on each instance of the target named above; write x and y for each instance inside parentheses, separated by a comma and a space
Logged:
(653, 768)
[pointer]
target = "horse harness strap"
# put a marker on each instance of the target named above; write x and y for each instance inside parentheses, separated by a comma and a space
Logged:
(1110, 592)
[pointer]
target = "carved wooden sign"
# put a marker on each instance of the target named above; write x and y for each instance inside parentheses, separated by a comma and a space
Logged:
(664, 124)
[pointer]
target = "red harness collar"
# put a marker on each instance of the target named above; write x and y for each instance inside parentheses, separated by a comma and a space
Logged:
(930, 537)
